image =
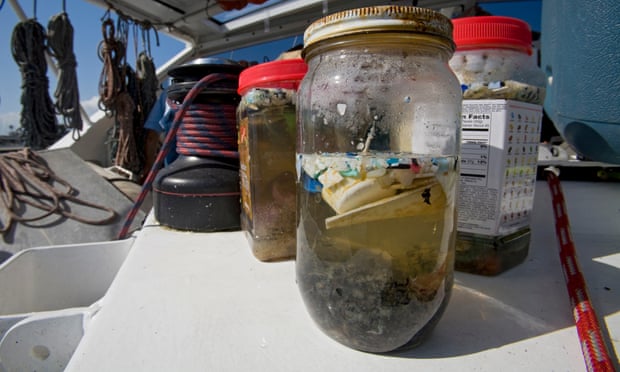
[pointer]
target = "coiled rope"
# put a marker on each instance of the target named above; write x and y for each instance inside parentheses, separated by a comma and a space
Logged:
(147, 77)
(25, 179)
(60, 43)
(38, 119)
(126, 153)
(208, 130)
(593, 347)
(167, 144)
(146, 96)
(114, 97)
(112, 53)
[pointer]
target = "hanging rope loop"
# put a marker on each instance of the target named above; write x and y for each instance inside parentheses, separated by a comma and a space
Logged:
(60, 46)
(147, 75)
(38, 119)
(126, 152)
(110, 81)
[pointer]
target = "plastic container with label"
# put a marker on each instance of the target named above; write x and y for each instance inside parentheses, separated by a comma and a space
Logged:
(267, 134)
(503, 90)
(494, 59)
(378, 142)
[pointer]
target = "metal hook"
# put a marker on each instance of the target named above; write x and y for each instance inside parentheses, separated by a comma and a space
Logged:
(148, 43)
(106, 15)
(143, 33)
(135, 32)
(156, 36)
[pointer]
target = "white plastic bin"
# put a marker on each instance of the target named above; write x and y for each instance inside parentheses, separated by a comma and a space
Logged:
(47, 295)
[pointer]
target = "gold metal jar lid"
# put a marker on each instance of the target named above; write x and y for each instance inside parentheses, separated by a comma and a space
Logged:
(386, 18)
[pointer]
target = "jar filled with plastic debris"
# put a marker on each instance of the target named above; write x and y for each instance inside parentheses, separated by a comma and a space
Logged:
(378, 141)
(503, 90)
(267, 136)
(493, 59)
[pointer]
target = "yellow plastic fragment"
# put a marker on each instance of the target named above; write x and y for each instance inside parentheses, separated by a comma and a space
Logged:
(428, 198)
(351, 193)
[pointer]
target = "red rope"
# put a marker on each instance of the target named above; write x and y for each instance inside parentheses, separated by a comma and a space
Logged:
(208, 130)
(166, 146)
(593, 347)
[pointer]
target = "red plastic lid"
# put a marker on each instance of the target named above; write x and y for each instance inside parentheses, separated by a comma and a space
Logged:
(286, 73)
(492, 32)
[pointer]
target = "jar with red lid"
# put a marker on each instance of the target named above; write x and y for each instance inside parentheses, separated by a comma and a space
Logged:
(494, 59)
(503, 92)
(267, 134)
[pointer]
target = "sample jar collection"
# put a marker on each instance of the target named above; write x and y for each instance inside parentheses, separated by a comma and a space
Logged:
(377, 156)
(350, 161)
(497, 68)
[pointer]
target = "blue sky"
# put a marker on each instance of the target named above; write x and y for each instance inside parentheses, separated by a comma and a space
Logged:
(86, 21)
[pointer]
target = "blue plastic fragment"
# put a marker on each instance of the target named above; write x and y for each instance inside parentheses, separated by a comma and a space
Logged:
(310, 184)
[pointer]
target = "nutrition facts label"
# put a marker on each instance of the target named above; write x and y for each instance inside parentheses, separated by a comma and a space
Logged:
(475, 149)
(499, 153)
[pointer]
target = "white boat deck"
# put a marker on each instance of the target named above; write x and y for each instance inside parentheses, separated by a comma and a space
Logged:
(202, 302)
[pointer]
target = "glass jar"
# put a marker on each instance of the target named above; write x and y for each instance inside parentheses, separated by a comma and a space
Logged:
(378, 140)
(494, 61)
(267, 136)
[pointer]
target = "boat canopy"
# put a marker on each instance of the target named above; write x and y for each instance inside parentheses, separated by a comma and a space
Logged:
(212, 27)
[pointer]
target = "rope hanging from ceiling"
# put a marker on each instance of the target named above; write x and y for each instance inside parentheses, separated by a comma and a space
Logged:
(112, 54)
(126, 95)
(38, 120)
(148, 84)
(60, 43)
(115, 99)
(145, 94)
